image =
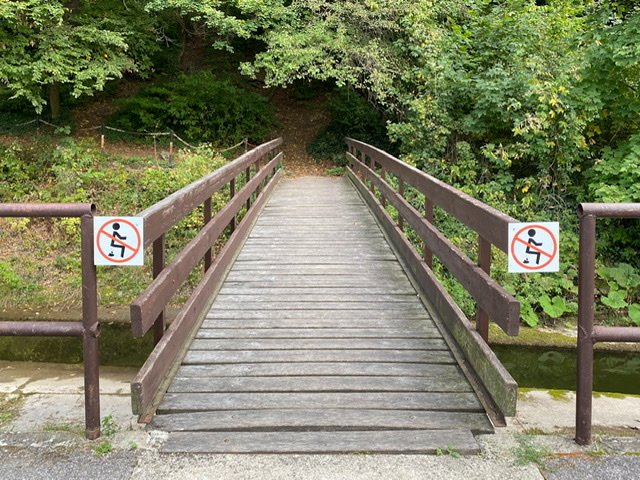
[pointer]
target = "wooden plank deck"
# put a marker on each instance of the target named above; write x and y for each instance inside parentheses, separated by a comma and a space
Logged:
(318, 343)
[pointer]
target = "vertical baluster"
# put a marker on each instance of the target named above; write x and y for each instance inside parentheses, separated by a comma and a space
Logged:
(428, 215)
(208, 257)
(158, 266)
(484, 262)
(232, 193)
(401, 192)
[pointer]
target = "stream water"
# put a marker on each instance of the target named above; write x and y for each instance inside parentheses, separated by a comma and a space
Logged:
(555, 369)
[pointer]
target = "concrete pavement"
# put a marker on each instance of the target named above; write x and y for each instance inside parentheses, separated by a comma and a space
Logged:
(41, 436)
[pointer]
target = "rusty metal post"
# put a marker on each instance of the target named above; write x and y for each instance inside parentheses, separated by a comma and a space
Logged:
(484, 262)
(158, 266)
(586, 275)
(401, 192)
(208, 257)
(91, 331)
(428, 215)
(232, 193)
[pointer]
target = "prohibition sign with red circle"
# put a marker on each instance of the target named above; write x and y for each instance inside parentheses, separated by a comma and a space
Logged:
(550, 256)
(134, 250)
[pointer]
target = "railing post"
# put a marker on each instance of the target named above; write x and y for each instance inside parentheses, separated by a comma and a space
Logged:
(586, 275)
(232, 193)
(91, 331)
(484, 262)
(247, 177)
(383, 175)
(258, 188)
(428, 215)
(401, 192)
(208, 257)
(158, 266)
(372, 165)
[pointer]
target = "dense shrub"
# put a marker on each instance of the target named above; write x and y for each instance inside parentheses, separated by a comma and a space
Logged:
(351, 116)
(200, 108)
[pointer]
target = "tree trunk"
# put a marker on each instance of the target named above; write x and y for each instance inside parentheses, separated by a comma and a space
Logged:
(54, 101)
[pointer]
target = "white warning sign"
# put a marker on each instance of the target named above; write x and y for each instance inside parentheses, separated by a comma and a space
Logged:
(118, 241)
(534, 247)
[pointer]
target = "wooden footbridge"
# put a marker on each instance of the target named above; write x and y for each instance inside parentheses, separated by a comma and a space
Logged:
(317, 328)
(317, 324)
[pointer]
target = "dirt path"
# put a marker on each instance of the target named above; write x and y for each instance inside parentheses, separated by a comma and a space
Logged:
(299, 121)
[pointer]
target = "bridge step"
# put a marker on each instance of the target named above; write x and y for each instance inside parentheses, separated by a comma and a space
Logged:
(318, 343)
(426, 441)
(317, 419)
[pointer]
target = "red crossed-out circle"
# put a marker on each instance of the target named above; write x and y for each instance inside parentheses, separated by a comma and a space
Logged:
(517, 239)
(103, 231)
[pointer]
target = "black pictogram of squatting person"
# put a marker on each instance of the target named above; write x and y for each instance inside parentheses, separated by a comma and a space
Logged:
(529, 250)
(114, 244)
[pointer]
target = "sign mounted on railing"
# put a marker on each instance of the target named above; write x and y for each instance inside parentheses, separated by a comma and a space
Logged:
(534, 247)
(118, 241)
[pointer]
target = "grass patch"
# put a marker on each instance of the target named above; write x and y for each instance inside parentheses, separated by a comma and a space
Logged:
(103, 448)
(528, 451)
(74, 428)
(450, 450)
(9, 405)
(40, 258)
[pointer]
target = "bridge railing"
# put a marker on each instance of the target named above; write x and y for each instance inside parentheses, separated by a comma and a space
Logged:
(491, 225)
(89, 327)
(588, 334)
(260, 168)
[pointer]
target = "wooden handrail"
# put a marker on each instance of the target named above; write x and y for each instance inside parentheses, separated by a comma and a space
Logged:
(147, 310)
(489, 295)
(160, 217)
(149, 304)
(490, 223)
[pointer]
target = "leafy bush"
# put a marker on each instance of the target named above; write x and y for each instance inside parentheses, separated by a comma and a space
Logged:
(351, 116)
(200, 108)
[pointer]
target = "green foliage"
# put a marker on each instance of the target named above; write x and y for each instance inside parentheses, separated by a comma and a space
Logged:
(109, 427)
(350, 116)
(47, 44)
(200, 108)
(77, 171)
(619, 289)
(449, 450)
(557, 306)
(102, 449)
(9, 279)
(528, 451)
(616, 176)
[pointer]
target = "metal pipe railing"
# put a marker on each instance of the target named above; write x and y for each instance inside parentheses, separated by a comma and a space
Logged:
(588, 334)
(89, 328)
